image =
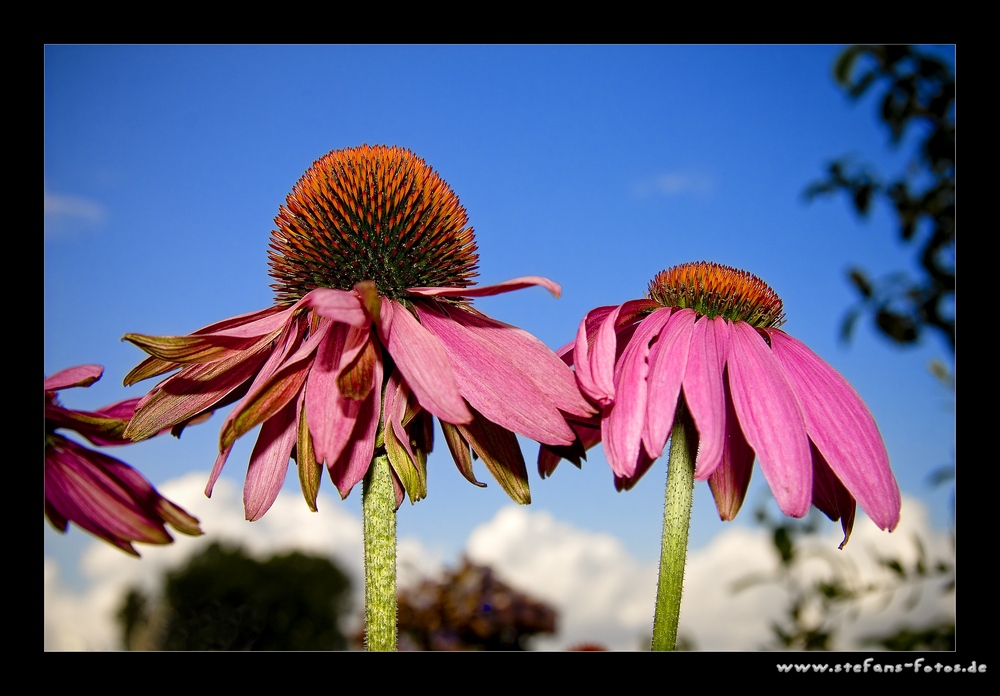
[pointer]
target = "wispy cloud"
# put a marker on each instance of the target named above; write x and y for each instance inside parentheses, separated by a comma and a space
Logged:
(603, 594)
(65, 214)
(676, 184)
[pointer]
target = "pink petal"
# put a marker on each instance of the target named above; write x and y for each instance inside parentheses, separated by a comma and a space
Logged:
(269, 461)
(331, 417)
(595, 358)
(277, 383)
(705, 392)
(423, 361)
(624, 421)
(731, 478)
(771, 418)
(501, 375)
(339, 305)
(528, 355)
(668, 359)
(79, 376)
(193, 390)
(220, 462)
(353, 463)
(486, 290)
(842, 428)
(831, 497)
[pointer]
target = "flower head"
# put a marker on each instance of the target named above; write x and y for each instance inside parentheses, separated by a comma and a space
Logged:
(372, 334)
(99, 493)
(706, 339)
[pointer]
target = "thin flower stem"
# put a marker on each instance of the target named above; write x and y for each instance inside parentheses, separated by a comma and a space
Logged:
(378, 505)
(676, 521)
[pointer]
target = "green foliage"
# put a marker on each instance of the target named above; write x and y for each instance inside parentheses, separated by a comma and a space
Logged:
(917, 95)
(226, 600)
(817, 607)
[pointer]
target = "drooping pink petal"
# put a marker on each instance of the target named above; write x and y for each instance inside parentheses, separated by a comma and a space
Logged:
(198, 388)
(771, 418)
(354, 460)
(731, 478)
(487, 290)
(104, 427)
(423, 361)
(269, 461)
(278, 382)
(409, 465)
(193, 390)
(595, 359)
(830, 495)
(310, 470)
(498, 449)
(842, 428)
(668, 359)
(339, 305)
(705, 393)
(504, 385)
(227, 340)
(625, 420)
(79, 376)
(220, 462)
(256, 323)
(528, 355)
(331, 417)
(107, 498)
(588, 434)
(642, 465)
(460, 452)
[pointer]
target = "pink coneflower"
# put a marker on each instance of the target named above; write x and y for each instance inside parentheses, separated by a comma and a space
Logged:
(372, 334)
(707, 340)
(99, 493)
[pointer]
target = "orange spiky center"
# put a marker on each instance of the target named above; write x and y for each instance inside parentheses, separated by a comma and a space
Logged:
(715, 290)
(370, 213)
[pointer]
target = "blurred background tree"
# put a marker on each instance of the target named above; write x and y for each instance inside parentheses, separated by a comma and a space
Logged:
(916, 94)
(825, 592)
(470, 609)
(225, 600)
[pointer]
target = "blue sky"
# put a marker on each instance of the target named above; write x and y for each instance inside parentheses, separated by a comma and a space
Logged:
(596, 166)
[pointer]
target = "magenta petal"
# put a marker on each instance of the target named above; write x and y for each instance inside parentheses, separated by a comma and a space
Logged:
(771, 419)
(526, 354)
(731, 478)
(220, 462)
(487, 290)
(331, 417)
(269, 461)
(668, 359)
(831, 497)
(842, 428)
(624, 421)
(502, 376)
(705, 392)
(279, 382)
(79, 376)
(339, 305)
(423, 362)
(595, 360)
(353, 463)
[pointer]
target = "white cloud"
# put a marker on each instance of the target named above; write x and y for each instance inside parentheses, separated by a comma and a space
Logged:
(606, 596)
(63, 211)
(602, 593)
